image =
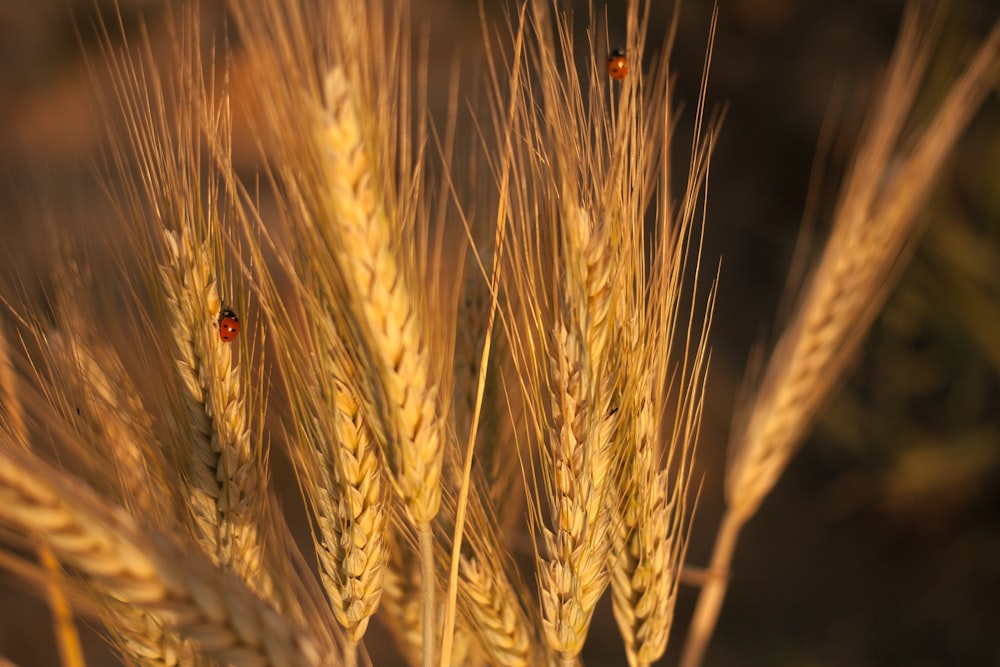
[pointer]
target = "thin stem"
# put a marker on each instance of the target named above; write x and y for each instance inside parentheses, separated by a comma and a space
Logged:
(706, 613)
(427, 587)
(350, 653)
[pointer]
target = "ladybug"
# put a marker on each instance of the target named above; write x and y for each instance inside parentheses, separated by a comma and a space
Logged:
(229, 325)
(617, 65)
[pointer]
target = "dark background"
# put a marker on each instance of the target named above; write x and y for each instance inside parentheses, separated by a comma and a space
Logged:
(881, 544)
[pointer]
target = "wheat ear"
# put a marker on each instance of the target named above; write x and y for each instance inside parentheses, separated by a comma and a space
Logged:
(580, 444)
(117, 427)
(343, 483)
(874, 224)
(143, 639)
(165, 123)
(185, 593)
(650, 533)
(226, 482)
(575, 573)
(872, 228)
(382, 294)
(119, 432)
(489, 610)
(495, 615)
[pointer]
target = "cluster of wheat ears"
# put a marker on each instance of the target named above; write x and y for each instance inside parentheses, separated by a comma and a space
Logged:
(484, 356)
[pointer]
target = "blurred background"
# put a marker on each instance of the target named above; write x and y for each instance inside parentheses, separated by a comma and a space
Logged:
(881, 544)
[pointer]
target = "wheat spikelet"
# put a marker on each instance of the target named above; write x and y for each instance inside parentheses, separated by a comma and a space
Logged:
(186, 594)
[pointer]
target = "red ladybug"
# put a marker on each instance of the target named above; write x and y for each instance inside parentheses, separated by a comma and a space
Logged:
(617, 65)
(229, 325)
